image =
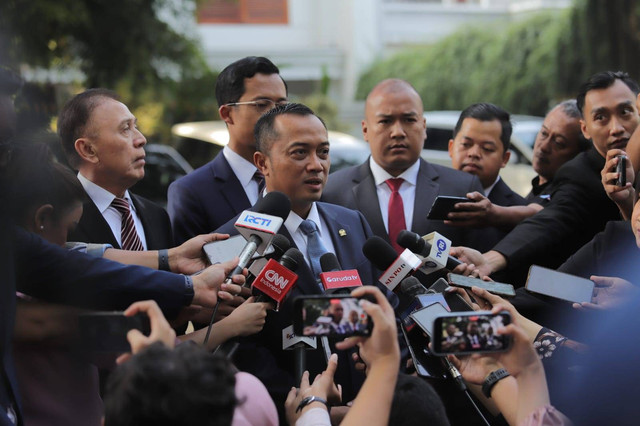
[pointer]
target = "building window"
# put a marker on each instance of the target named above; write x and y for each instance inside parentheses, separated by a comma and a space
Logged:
(243, 12)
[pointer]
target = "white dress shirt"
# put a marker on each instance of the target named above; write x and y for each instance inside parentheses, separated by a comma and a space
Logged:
(102, 199)
(244, 171)
(407, 190)
(488, 189)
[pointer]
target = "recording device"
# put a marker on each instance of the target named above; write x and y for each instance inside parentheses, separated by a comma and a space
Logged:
(277, 279)
(455, 302)
(279, 245)
(107, 331)
(621, 169)
(384, 257)
(335, 280)
(337, 316)
(424, 317)
(559, 285)
(469, 333)
(258, 227)
(501, 289)
(443, 205)
(422, 246)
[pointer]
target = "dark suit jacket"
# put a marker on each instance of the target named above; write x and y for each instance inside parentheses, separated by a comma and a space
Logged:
(262, 354)
(354, 188)
(579, 208)
(205, 199)
(500, 195)
(93, 228)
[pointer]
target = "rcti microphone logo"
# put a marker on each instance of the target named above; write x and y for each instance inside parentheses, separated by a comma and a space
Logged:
(256, 220)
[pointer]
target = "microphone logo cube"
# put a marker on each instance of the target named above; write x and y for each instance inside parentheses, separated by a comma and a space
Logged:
(406, 263)
(340, 279)
(263, 225)
(439, 253)
(275, 281)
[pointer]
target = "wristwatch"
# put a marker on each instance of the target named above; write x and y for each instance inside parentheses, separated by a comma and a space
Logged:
(308, 400)
(491, 380)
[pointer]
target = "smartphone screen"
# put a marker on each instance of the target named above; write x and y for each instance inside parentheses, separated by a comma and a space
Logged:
(224, 250)
(335, 316)
(468, 333)
(424, 317)
(443, 205)
(559, 285)
(500, 289)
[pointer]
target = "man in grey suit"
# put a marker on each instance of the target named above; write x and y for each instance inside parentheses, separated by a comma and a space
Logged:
(395, 128)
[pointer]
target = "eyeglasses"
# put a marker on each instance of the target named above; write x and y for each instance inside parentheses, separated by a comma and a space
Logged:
(261, 105)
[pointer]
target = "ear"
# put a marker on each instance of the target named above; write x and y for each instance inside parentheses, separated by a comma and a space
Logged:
(43, 216)
(260, 160)
(505, 158)
(86, 150)
(585, 132)
(451, 148)
(225, 114)
(364, 130)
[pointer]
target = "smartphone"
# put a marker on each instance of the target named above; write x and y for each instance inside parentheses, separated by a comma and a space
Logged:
(501, 289)
(621, 168)
(107, 331)
(559, 285)
(224, 250)
(469, 333)
(454, 301)
(425, 363)
(443, 205)
(424, 317)
(336, 315)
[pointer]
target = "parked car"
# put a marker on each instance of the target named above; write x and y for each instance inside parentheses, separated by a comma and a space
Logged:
(518, 172)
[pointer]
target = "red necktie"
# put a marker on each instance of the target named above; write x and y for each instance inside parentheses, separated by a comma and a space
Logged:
(130, 238)
(396, 212)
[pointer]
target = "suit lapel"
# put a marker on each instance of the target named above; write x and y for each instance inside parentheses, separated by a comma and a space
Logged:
(232, 190)
(94, 227)
(334, 231)
(427, 189)
(146, 220)
(366, 198)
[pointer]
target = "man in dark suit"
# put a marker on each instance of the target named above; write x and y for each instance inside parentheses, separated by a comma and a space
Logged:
(578, 207)
(211, 195)
(396, 129)
(480, 146)
(101, 140)
(293, 154)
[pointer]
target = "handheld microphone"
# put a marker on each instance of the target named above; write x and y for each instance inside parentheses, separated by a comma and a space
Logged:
(259, 225)
(334, 280)
(276, 280)
(422, 246)
(280, 245)
(384, 257)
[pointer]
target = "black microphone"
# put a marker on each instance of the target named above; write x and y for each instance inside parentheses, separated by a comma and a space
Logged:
(412, 287)
(418, 245)
(259, 226)
(384, 257)
(334, 280)
(329, 263)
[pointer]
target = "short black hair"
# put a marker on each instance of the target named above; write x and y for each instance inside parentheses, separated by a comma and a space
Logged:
(570, 109)
(415, 402)
(265, 133)
(74, 117)
(485, 111)
(186, 386)
(603, 80)
(230, 82)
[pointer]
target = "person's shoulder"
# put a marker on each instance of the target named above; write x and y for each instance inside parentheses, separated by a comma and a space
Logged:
(347, 174)
(337, 209)
(203, 173)
(146, 203)
(579, 166)
(447, 172)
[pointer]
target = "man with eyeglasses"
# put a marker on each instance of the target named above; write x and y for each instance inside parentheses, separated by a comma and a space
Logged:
(208, 197)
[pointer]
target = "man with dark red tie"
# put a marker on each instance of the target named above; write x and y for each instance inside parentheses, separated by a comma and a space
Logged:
(394, 189)
(101, 140)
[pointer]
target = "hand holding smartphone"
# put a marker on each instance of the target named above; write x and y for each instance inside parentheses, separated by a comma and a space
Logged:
(107, 331)
(470, 332)
(501, 289)
(443, 205)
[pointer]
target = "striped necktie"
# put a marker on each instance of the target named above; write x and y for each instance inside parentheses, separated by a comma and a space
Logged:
(130, 238)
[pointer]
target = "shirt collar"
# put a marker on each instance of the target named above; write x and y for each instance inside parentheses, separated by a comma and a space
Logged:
(243, 169)
(488, 189)
(293, 220)
(100, 196)
(380, 175)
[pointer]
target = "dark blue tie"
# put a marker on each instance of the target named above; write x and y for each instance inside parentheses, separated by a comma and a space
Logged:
(315, 248)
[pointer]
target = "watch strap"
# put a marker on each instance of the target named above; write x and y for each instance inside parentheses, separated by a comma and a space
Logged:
(308, 400)
(491, 380)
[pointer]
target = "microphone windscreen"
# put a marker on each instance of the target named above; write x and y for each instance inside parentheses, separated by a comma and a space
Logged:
(412, 287)
(411, 241)
(379, 252)
(275, 204)
(292, 258)
(329, 262)
(280, 244)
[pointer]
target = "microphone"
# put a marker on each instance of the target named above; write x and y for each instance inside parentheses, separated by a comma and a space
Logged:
(276, 280)
(422, 246)
(412, 287)
(334, 280)
(384, 257)
(259, 225)
(280, 245)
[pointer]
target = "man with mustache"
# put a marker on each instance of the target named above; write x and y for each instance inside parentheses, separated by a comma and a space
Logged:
(394, 189)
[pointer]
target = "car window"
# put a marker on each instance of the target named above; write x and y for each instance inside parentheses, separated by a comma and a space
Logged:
(438, 139)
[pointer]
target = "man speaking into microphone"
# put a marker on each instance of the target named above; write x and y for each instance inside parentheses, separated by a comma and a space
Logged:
(293, 154)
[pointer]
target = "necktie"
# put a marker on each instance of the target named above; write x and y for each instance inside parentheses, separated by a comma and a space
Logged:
(315, 248)
(396, 212)
(130, 238)
(259, 178)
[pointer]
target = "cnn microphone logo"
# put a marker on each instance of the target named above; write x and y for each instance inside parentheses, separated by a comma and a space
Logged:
(276, 279)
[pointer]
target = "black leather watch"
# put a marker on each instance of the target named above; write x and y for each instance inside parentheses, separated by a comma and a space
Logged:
(491, 380)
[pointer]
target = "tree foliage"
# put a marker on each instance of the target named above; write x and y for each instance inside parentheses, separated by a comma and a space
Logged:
(525, 67)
